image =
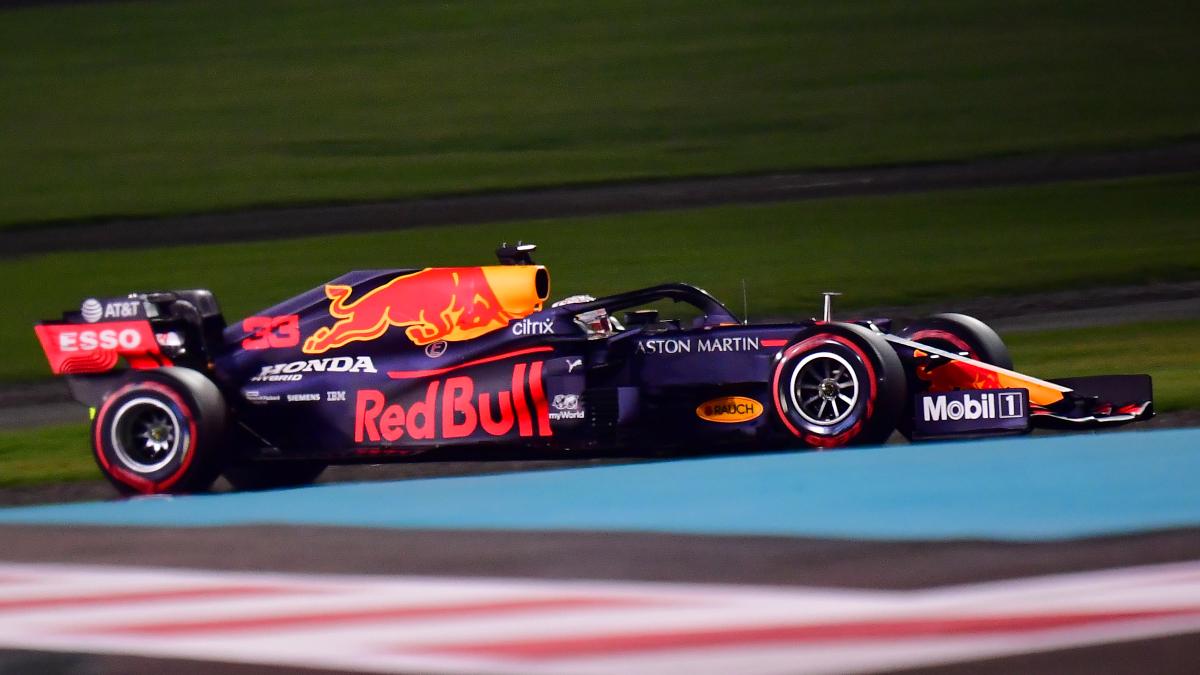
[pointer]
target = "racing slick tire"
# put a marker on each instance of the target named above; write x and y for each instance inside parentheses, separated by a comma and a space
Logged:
(273, 475)
(162, 431)
(957, 333)
(840, 384)
(960, 333)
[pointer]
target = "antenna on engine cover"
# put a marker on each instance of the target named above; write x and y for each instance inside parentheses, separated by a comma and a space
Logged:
(517, 254)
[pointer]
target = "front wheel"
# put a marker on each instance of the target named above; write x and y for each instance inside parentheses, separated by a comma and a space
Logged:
(840, 385)
(956, 333)
(960, 334)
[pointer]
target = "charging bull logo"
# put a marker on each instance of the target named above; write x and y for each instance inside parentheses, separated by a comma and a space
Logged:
(439, 303)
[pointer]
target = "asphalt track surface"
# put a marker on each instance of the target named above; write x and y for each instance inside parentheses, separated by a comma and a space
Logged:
(1042, 488)
(779, 563)
(868, 520)
(565, 201)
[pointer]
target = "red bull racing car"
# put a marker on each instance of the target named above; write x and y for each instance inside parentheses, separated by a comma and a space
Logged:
(382, 365)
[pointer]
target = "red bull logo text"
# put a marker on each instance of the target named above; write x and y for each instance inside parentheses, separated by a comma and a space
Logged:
(439, 303)
(454, 408)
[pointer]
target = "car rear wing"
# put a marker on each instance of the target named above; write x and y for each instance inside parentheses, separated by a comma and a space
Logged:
(145, 330)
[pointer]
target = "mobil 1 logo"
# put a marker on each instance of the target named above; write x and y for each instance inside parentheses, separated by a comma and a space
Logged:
(948, 413)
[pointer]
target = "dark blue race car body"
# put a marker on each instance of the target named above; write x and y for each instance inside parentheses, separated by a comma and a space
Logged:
(383, 365)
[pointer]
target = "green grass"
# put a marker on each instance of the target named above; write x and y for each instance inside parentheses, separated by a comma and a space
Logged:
(882, 250)
(158, 107)
(46, 455)
(1168, 350)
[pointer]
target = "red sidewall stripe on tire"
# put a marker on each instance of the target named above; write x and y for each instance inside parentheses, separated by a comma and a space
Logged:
(128, 477)
(816, 439)
(953, 339)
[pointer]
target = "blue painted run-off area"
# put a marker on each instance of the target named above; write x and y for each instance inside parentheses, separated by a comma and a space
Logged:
(1030, 488)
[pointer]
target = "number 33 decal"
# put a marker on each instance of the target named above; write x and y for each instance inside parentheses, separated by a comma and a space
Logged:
(271, 332)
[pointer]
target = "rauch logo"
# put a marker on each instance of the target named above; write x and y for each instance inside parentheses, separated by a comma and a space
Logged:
(729, 410)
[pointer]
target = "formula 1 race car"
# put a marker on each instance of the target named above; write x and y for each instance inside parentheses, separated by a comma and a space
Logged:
(380, 365)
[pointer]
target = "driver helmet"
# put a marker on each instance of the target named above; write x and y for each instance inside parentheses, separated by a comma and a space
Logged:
(595, 323)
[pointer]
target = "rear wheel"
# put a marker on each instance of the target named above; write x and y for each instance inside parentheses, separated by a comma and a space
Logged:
(955, 333)
(272, 475)
(161, 432)
(839, 385)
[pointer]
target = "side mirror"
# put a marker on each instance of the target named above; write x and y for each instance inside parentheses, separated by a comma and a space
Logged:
(641, 317)
(518, 254)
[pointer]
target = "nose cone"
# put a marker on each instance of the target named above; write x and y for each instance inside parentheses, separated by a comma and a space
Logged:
(521, 289)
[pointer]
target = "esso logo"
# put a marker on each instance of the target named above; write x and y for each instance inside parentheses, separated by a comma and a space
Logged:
(126, 339)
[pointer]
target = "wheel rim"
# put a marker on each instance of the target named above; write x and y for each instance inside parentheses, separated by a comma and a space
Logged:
(146, 435)
(824, 389)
